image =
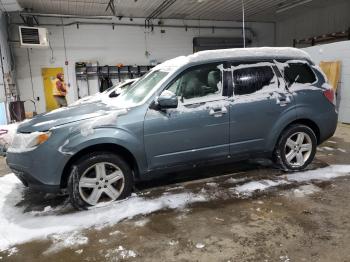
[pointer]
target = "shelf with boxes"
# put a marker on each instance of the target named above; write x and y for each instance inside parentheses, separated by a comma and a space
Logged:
(92, 78)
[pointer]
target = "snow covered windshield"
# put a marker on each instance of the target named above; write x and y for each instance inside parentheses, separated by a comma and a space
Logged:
(140, 89)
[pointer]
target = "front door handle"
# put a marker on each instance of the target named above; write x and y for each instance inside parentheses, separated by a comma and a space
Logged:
(218, 111)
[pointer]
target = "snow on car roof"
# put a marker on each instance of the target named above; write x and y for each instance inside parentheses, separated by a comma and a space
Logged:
(253, 52)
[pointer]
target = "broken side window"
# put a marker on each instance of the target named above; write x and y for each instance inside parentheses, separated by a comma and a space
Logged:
(299, 73)
(252, 79)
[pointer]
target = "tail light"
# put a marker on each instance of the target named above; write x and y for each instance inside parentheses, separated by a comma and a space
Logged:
(329, 94)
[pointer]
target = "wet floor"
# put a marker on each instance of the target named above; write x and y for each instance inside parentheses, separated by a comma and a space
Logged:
(306, 221)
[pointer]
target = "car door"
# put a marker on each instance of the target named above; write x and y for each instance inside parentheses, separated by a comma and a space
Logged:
(198, 129)
(260, 100)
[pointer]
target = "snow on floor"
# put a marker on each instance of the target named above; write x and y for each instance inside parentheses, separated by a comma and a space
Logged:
(66, 240)
(249, 188)
(17, 227)
(323, 174)
(120, 253)
(304, 190)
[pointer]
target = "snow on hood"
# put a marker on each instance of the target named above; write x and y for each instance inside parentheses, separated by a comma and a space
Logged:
(18, 226)
(118, 88)
(65, 115)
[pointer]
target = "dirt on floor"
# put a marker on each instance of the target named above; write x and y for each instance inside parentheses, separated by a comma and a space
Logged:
(294, 222)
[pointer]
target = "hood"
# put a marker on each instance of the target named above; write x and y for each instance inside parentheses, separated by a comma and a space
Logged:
(65, 115)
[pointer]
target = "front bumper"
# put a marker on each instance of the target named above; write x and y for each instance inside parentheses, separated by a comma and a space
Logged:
(40, 169)
(30, 181)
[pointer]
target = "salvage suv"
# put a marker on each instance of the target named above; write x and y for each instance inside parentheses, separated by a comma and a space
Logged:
(205, 108)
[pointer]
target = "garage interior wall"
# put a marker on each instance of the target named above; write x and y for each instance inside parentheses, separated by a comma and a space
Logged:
(312, 22)
(102, 44)
(6, 76)
(332, 52)
(3, 64)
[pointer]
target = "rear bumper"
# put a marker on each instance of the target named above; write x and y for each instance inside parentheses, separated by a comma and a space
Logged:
(327, 123)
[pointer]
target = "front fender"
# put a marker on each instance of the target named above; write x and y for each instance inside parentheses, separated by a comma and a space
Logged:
(105, 135)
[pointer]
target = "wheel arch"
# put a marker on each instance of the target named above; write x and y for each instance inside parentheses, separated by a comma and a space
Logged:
(307, 122)
(103, 147)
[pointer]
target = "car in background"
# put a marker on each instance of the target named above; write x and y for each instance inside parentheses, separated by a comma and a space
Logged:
(113, 91)
(7, 132)
(210, 107)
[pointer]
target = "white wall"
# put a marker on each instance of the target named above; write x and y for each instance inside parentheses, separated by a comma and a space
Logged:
(5, 61)
(313, 22)
(331, 52)
(124, 44)
(6, 74)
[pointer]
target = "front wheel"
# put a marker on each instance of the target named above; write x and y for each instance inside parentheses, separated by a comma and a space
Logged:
(296, 148)
(97, 178)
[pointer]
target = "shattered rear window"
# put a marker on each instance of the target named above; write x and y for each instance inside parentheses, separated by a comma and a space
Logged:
(299, 73)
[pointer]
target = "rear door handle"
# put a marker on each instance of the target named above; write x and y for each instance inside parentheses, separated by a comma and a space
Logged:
(218, 111)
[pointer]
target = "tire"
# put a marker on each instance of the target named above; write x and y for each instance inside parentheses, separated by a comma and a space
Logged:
(296, 148)
(99, 177)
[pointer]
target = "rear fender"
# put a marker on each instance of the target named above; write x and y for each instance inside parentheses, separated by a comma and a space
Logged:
(278, 127)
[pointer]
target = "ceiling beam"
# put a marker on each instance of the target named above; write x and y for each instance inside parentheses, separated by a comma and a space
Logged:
(112, 7)
(66, 16)
(158, 11)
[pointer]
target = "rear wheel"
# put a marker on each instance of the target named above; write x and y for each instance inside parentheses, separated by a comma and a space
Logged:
(296, 148)
(100, 177)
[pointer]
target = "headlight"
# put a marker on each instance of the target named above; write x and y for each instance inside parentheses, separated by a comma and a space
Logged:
(26, 142)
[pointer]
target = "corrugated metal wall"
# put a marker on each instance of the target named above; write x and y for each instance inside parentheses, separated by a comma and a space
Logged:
(318, 21)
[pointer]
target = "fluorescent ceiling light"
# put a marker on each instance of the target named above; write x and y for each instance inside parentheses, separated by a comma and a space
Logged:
(290, 6)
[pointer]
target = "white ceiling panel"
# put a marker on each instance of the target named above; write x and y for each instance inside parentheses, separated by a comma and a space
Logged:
(9, 6)
(230, 10)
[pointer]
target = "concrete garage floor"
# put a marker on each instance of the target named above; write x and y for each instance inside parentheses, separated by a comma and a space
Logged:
(294, 222)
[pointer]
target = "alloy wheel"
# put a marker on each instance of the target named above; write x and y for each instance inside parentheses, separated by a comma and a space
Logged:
(298, 149)
(102, 182)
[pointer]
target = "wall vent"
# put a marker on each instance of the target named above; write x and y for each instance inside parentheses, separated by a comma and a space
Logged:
(33, 36)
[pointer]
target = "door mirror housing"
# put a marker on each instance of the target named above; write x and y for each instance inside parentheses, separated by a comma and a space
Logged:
(167, 99)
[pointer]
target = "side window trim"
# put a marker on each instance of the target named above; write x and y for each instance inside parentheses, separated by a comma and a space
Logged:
(282, 84)
(228, 79)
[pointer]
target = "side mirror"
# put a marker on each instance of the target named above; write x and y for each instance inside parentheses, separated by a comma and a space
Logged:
(167, 99)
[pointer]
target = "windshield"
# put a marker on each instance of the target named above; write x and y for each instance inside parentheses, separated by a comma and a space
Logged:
(140, 89)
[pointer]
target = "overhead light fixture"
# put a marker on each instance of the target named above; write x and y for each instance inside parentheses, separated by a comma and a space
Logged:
(286, 7)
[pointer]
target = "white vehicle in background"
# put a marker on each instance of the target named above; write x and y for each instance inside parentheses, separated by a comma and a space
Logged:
(111, 92)
(7, 133)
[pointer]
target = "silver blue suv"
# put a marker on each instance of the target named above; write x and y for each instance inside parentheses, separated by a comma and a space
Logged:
(209, 107)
